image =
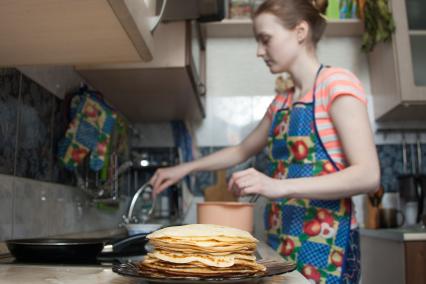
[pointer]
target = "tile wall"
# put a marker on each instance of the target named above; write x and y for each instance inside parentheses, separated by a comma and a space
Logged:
(37, 196)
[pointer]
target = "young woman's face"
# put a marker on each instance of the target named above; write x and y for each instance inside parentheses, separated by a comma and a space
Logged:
(276, 45)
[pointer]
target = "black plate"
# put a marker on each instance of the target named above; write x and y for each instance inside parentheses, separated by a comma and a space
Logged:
(273, 267)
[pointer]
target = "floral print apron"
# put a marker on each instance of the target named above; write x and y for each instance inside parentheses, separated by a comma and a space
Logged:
(316, 234)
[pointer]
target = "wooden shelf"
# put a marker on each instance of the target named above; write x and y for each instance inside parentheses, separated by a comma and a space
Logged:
(244, 28)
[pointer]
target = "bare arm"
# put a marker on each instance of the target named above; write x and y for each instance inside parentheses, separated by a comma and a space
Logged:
(222, 159)
(361, 176)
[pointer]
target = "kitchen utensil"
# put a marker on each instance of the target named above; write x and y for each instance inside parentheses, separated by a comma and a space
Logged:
(254, 198)
(219, 191)
(233, 214)
(376, 197)
(372, 217)
(420, 181)
(407, 181)
(69, 250)
(389, 218)
(408, 187)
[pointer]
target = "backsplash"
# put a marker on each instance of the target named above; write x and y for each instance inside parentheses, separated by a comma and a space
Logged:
(35, 149)
(37, 196)
(9, 97)
(31, 125)
(391, 165)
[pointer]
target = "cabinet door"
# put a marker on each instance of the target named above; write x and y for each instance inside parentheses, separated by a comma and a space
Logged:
(410, 42)
(416, 10)
(197, 57)
(415, 262)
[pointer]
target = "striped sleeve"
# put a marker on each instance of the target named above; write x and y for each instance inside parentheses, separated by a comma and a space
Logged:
(339, 82)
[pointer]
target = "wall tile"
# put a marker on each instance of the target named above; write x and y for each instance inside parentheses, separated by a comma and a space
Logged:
(62, 211)
(260, 105)
(9, 97)
(232, 117)
(6, 205)
(203, 128)
(391, 165)
(30, 209)
(246, 74)
(59, 125)
(35, 132)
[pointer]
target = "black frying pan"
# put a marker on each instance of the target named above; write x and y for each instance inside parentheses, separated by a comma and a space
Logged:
(70, 250)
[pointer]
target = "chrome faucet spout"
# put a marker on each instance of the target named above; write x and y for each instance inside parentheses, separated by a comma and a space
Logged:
(144, 188)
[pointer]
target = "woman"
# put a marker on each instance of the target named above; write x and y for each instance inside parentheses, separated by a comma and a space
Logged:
(320, 146)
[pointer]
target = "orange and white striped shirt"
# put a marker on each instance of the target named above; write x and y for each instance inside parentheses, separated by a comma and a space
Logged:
(332, 82)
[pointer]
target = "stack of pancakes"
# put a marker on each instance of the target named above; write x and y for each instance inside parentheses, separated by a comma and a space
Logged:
(201, 251)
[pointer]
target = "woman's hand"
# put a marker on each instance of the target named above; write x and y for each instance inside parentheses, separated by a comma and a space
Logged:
(165, 177)
(251, 181)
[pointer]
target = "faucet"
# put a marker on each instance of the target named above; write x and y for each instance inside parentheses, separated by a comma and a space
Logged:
(146, 188)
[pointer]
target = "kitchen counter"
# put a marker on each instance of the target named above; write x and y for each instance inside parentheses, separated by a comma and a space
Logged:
(397, 234)
(404, 250)
(37, 274)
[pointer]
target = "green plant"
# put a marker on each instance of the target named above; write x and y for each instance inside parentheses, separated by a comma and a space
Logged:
(378, 24)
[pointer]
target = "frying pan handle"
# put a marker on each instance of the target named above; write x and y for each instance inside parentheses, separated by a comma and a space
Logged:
(121, 244)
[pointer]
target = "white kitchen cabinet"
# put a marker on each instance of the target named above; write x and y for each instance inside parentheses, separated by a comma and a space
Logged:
(74, 32)
(171, 86)
(398, 68)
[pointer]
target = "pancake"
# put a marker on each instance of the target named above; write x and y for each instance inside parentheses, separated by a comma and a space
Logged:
(202, 251)
(218, 247)
(207, 259)
(201, 230)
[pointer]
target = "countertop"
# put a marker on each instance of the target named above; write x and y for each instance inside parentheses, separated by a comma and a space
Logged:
(397, 234)
(38, 274)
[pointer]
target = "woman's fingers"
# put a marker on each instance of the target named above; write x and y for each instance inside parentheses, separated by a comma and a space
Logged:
(235, 178)
(163, 186)
(243, 181)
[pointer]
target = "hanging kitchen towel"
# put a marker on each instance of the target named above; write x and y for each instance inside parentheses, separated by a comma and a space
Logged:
(183, 138)
(92, 122)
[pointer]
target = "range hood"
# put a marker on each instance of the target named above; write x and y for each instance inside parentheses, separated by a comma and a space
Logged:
(201, 10)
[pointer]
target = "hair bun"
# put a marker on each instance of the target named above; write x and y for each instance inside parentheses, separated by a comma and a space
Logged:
(320, 5)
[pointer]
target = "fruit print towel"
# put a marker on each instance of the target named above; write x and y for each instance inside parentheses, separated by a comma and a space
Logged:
(89, 131)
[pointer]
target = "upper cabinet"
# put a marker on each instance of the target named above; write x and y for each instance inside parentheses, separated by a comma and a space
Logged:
(171, 86)
(74, 31)
(398, 68)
